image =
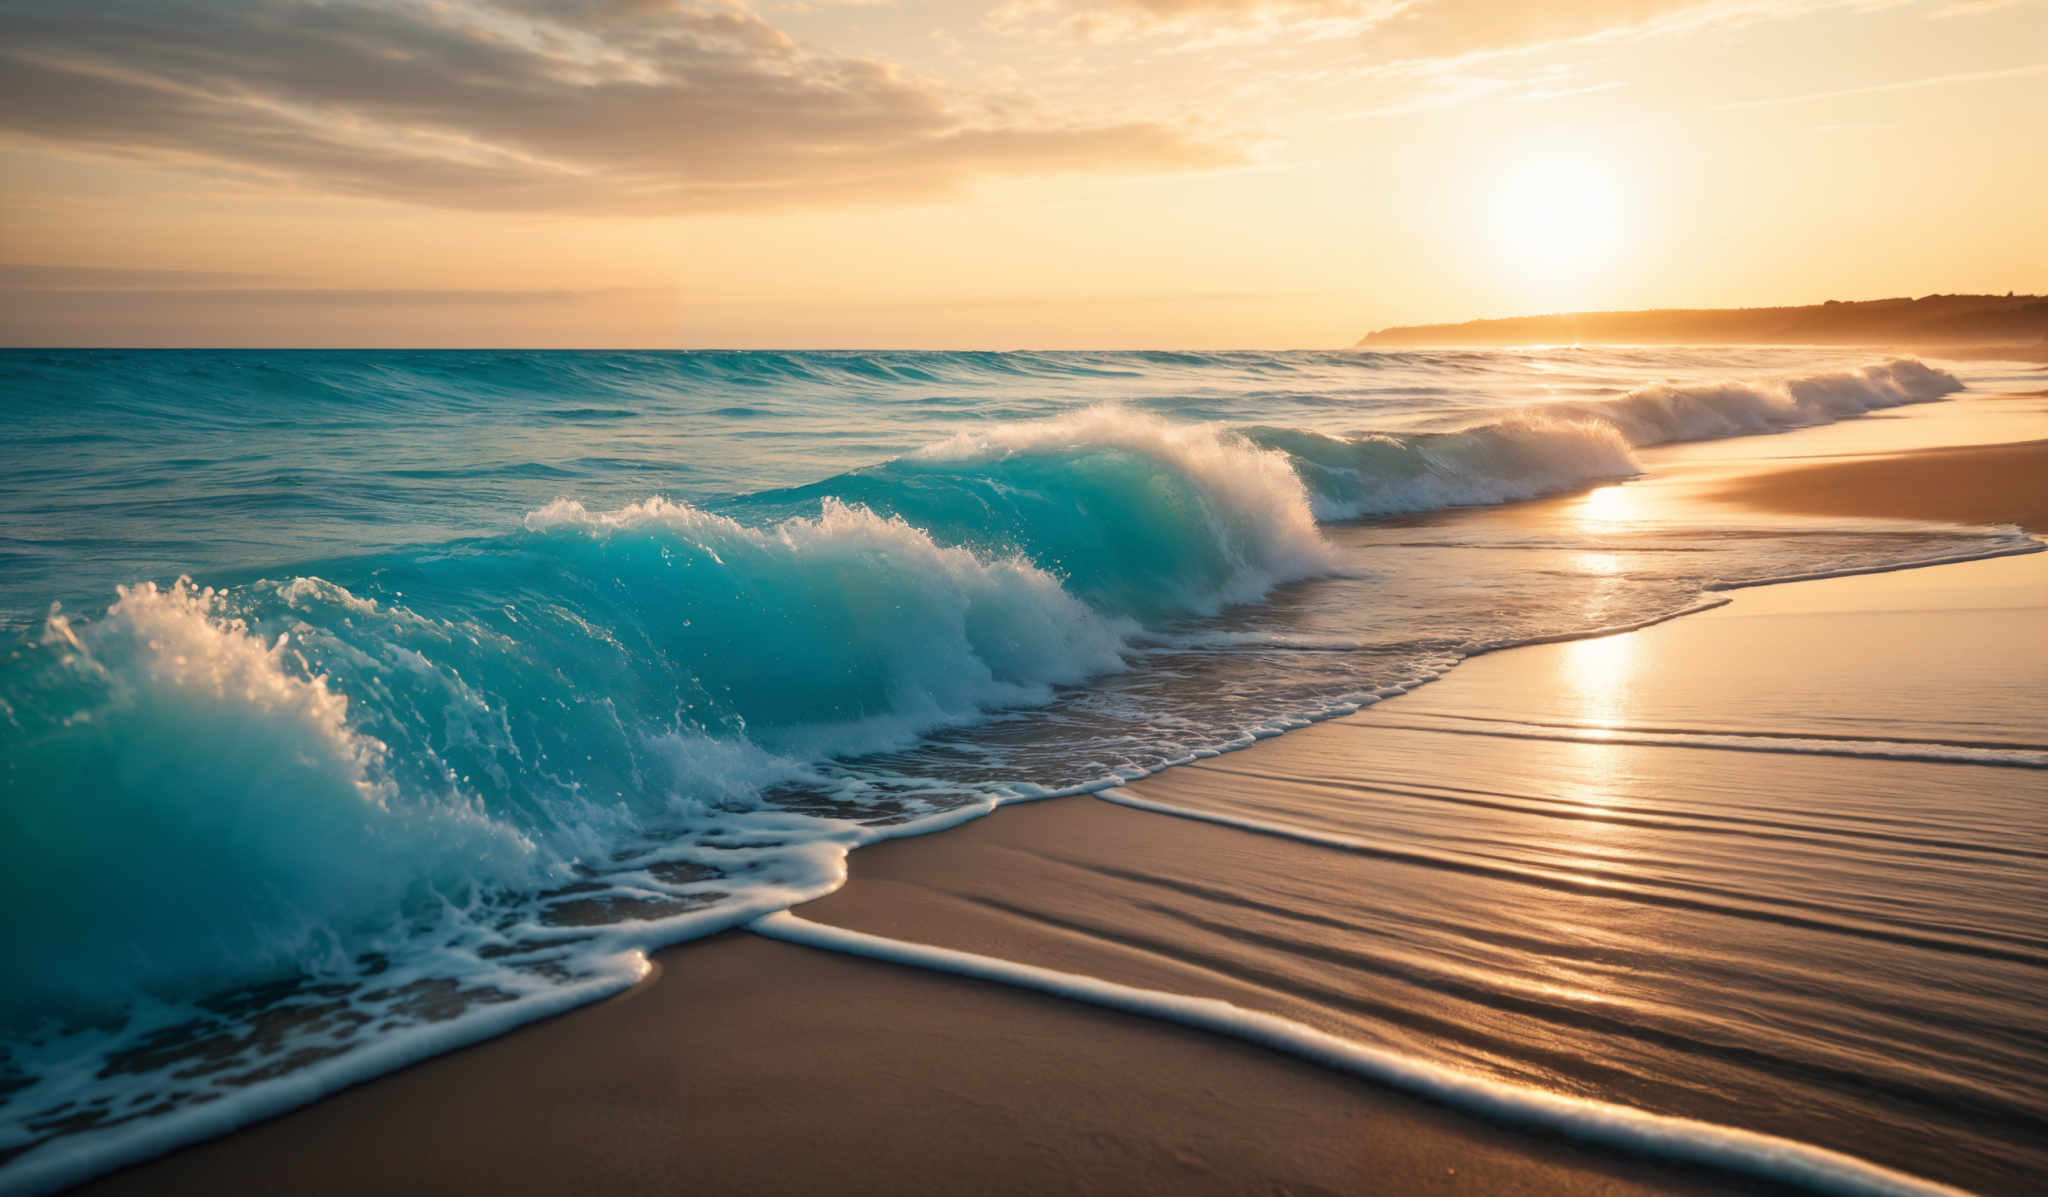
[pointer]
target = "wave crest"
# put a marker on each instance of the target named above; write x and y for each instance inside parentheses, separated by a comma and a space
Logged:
(1558, 446)
(848, 631)
(1140, 516)
(1659, 415)
(574, 685)
(1519, 458)
(232, 821)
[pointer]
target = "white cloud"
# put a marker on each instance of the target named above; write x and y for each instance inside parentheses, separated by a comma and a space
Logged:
(648, 106)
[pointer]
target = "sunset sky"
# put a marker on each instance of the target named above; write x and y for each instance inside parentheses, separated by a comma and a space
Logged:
(994, 173)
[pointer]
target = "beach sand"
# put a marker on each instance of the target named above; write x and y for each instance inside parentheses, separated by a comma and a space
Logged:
(1581, 867)
(1576, 822)
(1976, 484)
(783, 1070)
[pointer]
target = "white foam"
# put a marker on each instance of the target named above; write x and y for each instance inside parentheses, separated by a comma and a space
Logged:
(274, 837)
(955, 633)
(615, 957)
(1557, 446)
(1662, 414)
(1640, 1132)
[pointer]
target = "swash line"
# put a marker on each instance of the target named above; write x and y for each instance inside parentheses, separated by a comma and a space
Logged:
(1915, 751)
(1751, 1153)
(1567, 884)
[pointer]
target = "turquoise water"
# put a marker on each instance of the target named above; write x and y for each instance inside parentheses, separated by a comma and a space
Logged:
(355, 705)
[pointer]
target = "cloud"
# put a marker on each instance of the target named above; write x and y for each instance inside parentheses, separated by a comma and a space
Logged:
(2018, 72)
(641, 106)
(1394, 31)
(1970, 8)
(270, 298)
(16, 277)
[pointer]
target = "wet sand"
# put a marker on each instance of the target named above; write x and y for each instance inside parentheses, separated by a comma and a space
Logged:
(1572, 905)
(777, 1069)
(1589, 867)
(1979, 484)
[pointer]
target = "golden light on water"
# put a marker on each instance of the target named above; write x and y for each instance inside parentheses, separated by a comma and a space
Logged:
(1607, 507)
(1604, 565)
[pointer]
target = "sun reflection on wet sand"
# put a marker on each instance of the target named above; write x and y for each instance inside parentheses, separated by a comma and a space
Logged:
(1594, 685)
(1595, 679)
(1691, 924)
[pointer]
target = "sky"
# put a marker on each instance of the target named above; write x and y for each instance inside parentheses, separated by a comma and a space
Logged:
(994, 174)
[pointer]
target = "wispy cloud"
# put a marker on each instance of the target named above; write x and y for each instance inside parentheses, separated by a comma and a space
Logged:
(1449, 88)
(1971, 8)
(1393, 31)
(1901, 85)
(316, 297)
(1538, 95)
(644, 106)
(16, 277)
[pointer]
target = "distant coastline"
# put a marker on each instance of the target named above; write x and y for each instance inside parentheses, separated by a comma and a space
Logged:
(2016, 322)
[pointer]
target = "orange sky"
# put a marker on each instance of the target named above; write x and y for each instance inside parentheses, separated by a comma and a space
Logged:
(994, 173)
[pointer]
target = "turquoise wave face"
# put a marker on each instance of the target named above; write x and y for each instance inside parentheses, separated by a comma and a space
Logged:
(295, 770)
(1139, 517)
(193, 802)
(331, 757)
(131, 465)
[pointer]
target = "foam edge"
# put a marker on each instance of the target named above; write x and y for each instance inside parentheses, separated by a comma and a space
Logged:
(1638, 1132)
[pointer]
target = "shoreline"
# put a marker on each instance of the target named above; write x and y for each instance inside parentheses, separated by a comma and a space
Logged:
(1521, 1160)
(1101, 887)
(992, 1089)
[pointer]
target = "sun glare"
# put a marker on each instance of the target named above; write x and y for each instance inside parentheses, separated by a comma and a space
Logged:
(1558, 214)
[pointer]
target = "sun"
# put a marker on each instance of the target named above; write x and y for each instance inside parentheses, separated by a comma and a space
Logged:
(1558, 214)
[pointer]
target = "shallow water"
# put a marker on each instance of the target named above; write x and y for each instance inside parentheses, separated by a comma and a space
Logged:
(1779, 871)
(498, 669)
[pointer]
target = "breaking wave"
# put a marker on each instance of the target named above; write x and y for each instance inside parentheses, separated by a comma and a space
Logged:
(312, 768)
(1558, 446)
(628, 716)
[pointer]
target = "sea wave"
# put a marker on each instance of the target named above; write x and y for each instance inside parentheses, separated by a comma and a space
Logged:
(1523, 457)
(435, 750)
(1141, 516)
(535, 700)
(1558, 446)
(849, 631)
(232, 821)
(1663, 414)
(330, 766)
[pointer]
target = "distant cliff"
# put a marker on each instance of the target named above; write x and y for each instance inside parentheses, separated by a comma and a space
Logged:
(1928, 320)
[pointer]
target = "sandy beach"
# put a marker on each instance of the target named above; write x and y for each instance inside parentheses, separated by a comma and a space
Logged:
(1586, 824)
(1977, 484)
(1249, 597)
(906, 1082)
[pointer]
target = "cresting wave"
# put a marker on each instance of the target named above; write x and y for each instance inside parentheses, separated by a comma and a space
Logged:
(1139, 516)
(1562, 445)
(257, 830)
(304, 773)
(421, 764)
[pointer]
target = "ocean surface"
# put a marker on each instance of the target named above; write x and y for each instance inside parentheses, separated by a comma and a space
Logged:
(357, 705)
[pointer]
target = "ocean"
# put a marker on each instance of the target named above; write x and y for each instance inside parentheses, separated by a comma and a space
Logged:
(358, 705)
